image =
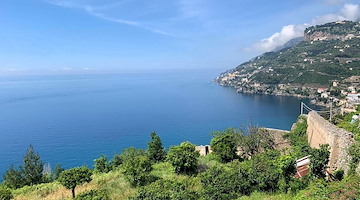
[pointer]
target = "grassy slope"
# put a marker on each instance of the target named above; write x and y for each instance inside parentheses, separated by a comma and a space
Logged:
(114, 182)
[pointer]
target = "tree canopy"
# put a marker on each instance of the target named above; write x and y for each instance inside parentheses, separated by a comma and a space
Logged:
(156, 151)
(138, 170)
(75, 176)
(184, 158)
(30, 173)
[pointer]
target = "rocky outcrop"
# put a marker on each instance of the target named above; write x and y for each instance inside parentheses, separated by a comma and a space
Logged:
(319, 36)
(320, 131)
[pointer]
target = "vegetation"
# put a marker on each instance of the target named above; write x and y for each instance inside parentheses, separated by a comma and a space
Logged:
(5, 193)
(155, 149)
(224, 144)
(346, 123)
(57, 171)
(30, 173)
(72, 177)
(255, 140)
(101, 165)
(329, 53)
(166, 189)
(183, 158)
(93, 195)
(255, 171)
(138, 170)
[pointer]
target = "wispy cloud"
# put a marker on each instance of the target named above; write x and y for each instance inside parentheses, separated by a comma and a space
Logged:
(288, 32)
(92, 11)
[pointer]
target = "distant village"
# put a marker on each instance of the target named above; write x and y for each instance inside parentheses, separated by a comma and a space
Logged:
(344, 93)
(262, 74)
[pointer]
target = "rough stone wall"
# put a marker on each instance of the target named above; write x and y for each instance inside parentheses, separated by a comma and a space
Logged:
(203, 149)
(320, 131)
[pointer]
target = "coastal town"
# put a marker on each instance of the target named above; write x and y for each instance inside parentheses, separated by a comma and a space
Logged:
(344, 93)
(323, 65)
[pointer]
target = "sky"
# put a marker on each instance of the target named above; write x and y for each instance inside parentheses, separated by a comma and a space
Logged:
(105, 36)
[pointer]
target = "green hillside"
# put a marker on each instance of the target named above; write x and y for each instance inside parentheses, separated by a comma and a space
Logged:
(330, 52)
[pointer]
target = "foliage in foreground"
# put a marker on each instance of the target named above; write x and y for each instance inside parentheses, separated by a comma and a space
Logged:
(184, 158)
(5, 193)
(138, 170)
(166, 189)
(319, 189)
(72, 177)
(93, 195)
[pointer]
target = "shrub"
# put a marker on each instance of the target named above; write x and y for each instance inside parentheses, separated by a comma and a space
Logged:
(5, 193)
(138, 170)
(224, 144)
(221, 182)
(184, 158)
(167, 190)
(93, 195)
(127, 154)
(101, 165)
(339, 174)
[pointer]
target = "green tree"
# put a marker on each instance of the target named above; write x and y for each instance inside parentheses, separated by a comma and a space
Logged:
(255, 140)
(13, 178)
(354, 152)
(156, 151)
(72, 177)
(184, 158)
(286, 166)
(224, 144)
(319, 160)
(219, 183)
(138, 170)
(57, 171)
(127, 154)
(32, 171)
(101, 164)
(264, 174)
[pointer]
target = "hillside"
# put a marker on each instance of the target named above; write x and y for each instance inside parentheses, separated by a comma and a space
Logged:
(329, 52)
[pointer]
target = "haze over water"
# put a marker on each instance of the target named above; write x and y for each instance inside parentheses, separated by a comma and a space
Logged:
(73, 119)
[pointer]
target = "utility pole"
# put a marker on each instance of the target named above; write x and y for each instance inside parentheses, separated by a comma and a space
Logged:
(301, 108)
(331, 105)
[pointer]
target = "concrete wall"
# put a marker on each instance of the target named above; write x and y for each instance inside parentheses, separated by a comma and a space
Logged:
(320, 131)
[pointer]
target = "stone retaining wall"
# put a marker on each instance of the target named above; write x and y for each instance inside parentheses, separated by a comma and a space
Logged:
(320, 131)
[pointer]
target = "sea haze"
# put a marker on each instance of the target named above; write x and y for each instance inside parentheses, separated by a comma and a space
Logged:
(74, 119)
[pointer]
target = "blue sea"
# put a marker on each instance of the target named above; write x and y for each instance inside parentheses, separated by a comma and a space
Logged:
(73, 119)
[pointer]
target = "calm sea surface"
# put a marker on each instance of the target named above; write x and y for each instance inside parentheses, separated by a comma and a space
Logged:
(73, 119)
